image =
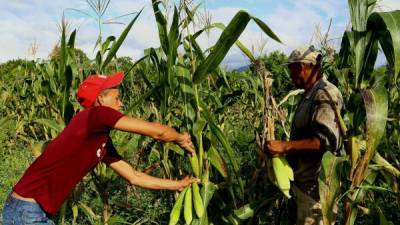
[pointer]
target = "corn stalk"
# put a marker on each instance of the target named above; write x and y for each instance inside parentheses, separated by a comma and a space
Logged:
(191, 77)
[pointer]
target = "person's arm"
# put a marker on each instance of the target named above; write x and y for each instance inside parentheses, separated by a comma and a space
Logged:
(156, 131)
(282, 147)
(143, 180)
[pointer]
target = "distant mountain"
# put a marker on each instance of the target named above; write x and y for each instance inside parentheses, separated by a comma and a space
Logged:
(242, 68)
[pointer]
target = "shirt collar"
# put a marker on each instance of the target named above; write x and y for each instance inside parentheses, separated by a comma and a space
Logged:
(316, 86)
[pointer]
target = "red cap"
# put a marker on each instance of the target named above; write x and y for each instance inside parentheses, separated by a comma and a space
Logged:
(93, 85)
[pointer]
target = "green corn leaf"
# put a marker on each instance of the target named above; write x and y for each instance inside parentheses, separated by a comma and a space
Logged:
(173, 40)
(382, 162)
(162, 25)
(52, 124)
(217, 161)
(224, 43)
(376, 106)
(196, 47)
(117, 44)
(239, 44)
(66, 104)
(388, 25)
(224, 142)
(361, 41)
(71, 41)
(137, 63)
(63, 53)
(106, 44)
(207, 191)
(190, 15)
(359, 14)
(247, 211)
(329, 185)
(345, 50)
(228, 37)
(266, 29)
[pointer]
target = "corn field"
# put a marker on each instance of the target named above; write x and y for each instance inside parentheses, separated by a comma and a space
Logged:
(229, 114)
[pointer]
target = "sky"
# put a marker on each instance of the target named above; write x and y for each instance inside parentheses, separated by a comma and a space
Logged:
(27, 23)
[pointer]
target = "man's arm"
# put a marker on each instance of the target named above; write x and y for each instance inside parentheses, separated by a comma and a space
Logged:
(156, 131)
(143, 180)
(282, 147)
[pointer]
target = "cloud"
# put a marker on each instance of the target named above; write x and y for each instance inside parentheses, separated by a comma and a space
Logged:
(23, 22)
(388, 5)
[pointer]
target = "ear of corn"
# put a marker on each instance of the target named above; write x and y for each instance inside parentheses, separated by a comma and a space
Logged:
(288, 169)
(176, 210)
(188, 214)
(283, 174)
(197, 201)
(194, 162)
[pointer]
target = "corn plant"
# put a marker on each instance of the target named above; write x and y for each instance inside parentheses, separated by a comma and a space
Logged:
(367, 98)
(187, 94)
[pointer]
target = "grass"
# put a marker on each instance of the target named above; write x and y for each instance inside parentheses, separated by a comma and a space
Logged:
(14, 163)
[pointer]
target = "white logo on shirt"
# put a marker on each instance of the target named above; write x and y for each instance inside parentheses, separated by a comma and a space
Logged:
(98, 153)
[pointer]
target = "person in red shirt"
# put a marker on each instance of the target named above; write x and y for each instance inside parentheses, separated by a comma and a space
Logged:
(85, 142)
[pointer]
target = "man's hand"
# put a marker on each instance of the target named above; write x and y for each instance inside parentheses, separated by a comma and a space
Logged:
(277, 147)
(186, 182)
(185, 142)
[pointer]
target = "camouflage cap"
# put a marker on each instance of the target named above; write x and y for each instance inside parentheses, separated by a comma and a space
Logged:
(304, 55)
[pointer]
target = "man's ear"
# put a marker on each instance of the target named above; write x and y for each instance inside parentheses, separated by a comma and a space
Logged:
(99, 100)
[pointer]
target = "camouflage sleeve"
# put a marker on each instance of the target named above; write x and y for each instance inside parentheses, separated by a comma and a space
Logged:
(324, 123)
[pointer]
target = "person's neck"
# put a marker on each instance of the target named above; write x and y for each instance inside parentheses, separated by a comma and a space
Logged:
(309, 85)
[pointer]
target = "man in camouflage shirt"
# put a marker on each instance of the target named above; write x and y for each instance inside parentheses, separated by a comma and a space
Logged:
(314, 131)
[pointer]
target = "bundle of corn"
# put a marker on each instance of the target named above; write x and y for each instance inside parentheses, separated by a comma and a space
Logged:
(190, 197)
(278, 169)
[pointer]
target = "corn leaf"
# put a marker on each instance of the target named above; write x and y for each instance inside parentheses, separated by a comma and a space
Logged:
(63, 53)
(207, 192)
(217, 161)
(67, 108)
(117, 44)
(52, 124)
(71, 41)
(247, 211)
(228, 37)
(224, 142)
(173, 42)
(239, 44)
(376, 107)
(329, 185)
(388, 25)
(382, 162)
(162, 25)
(106, 44)
(266, 29)
(358, 14)
(224, 43)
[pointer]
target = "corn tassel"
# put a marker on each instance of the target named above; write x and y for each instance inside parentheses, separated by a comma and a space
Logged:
(197, 201)
(176, 210)
(188, 205)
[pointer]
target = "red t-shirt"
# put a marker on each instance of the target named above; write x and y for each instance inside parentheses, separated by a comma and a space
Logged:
(69, 157)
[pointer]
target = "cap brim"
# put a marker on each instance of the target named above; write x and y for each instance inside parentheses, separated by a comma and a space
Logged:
(287, 63)
(114, 80)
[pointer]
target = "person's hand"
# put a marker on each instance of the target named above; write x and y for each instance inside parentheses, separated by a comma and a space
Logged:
(277, 147)
(186, 181)
(185, 142)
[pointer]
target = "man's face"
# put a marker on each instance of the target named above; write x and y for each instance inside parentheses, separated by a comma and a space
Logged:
(297, 74)
(111, 98)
